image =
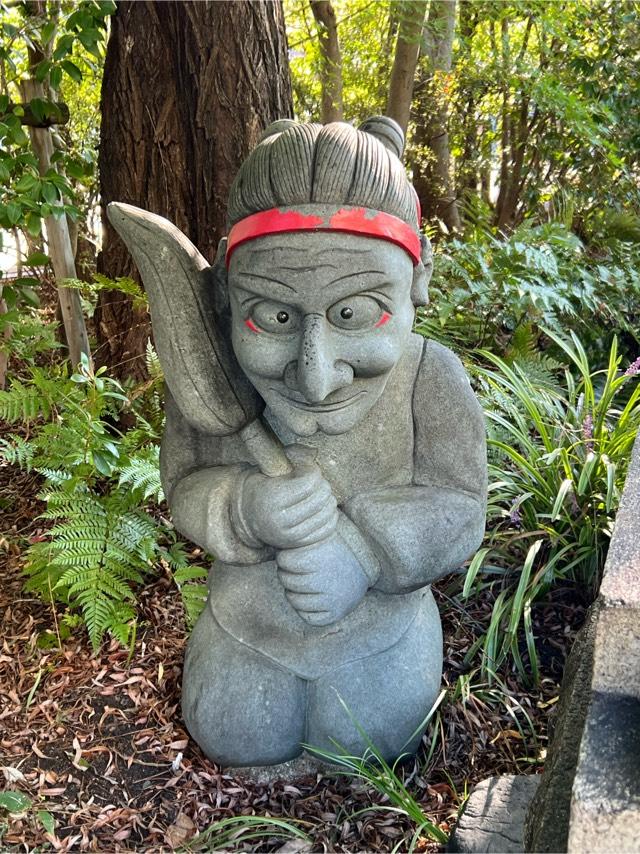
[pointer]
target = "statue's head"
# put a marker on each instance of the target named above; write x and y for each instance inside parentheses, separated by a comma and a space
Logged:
(325, 266)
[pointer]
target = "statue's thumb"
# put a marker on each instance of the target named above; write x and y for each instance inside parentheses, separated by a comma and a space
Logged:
(301, 456)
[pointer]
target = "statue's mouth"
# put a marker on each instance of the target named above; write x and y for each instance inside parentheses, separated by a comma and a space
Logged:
(334, 405)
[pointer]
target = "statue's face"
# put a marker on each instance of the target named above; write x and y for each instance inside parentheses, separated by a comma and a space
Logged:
(319, 321)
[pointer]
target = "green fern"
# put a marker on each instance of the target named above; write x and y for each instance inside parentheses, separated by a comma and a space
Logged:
(142, 473)
(123, 284)
(190, 581)
(102, 542)
(99, 549)
(17, 451)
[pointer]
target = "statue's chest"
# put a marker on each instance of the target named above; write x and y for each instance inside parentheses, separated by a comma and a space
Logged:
(378, 452)
(375, 454)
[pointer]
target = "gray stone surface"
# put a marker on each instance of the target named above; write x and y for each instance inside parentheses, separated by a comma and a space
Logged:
(354, 478)
(493, 817)
(605, 804)
(589, 798)
(547, 824)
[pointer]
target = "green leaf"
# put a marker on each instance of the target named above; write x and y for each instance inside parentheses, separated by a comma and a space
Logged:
(30, 297)
(27, 182)
(77, 170)
(37, 259)
(102, 463)
(47, 31)
(34, 224)
(55, 77)
(42, 69)
(14, 213)
(14, 801)
(4, 104)
(26, 282)
(72, 70)
(47, 821)
(63, 47)
(50, 193)
(565, 487)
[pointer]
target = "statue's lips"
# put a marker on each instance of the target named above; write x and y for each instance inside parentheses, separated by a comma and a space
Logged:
(333, 405)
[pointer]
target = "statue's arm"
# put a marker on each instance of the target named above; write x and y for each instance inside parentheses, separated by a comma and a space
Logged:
(202, 477)
(429, 528)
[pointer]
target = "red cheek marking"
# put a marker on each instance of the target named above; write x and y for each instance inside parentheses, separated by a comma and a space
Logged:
(385, 317)
(248, 322)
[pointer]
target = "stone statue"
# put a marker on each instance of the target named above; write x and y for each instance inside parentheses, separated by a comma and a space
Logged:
(333, 461)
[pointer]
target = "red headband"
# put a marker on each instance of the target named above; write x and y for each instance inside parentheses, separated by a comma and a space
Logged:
(370, 223)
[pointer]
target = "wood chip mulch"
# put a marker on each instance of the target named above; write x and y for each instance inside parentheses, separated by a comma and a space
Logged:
(97, 742)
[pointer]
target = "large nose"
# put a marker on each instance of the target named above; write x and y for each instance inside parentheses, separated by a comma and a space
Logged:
(319, 370)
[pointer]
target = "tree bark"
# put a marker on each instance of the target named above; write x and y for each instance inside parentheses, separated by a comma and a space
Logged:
(331, 73)
(433, 181)
(411, 14)
(187, 90)
(58, 240)
(5, 334)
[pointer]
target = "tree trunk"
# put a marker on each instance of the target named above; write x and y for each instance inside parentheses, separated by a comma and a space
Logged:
(5, 334)
(187, 90)
(433, 181)
(468, 172)
(331, 74)
(411, 13)
(58, 240)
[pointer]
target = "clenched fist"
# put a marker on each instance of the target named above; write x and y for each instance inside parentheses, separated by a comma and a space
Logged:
(289, 511)
(324, 582)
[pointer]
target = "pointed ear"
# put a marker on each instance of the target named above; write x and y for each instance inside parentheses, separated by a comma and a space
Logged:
(422, 274)
(190, 335)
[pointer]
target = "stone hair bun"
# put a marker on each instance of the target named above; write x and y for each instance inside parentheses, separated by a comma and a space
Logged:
(276, 127)
(387, 131)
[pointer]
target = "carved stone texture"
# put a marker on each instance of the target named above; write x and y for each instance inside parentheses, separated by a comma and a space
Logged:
(333, 461)
(493, 817)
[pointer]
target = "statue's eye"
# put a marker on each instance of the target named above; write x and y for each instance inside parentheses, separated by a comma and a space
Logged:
(274, 317)
(356, 312)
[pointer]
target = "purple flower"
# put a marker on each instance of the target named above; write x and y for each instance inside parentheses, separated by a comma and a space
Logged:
(514, 513)
(587, 432)
(633, 369)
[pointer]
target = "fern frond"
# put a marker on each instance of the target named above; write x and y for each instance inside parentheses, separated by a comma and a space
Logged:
(23, 403)
(142, 474)
(17, 451)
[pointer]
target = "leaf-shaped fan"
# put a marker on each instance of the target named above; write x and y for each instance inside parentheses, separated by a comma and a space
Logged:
(199, 365)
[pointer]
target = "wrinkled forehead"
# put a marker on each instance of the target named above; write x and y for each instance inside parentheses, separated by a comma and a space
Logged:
(322, 255)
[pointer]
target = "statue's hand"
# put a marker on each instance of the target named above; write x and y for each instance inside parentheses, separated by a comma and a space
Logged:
(290, 511)
(323, 582)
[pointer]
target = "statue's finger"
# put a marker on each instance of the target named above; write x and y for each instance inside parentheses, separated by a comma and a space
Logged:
(317, 502)
(327, 517)
(300, 488)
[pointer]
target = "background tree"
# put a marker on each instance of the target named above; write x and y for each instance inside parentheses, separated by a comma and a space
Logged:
(433, 170)
(331, 73)
(411, 16)
(46, 50)
(187, 90)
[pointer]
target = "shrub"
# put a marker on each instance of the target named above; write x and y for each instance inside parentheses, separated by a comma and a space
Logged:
(558, 461)
(99, 485)
(499, 294)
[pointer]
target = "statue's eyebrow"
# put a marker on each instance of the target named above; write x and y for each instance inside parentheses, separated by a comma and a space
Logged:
(270, 279)
(359, 273)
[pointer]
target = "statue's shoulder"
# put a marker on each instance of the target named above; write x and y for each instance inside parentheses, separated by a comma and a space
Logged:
(438, 361)
(441, 377)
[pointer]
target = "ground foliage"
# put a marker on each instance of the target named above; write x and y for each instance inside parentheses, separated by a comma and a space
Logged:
(94, 744)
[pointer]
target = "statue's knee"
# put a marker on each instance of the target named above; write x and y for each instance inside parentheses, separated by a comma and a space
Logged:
(381, 699)
(239, 708)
